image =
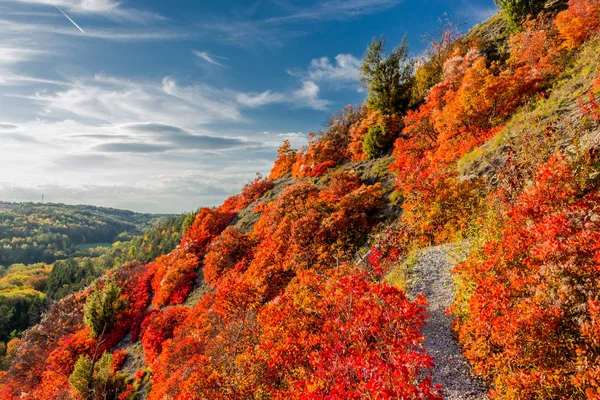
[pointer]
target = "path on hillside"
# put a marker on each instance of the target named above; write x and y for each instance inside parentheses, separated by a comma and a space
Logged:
(432, 276)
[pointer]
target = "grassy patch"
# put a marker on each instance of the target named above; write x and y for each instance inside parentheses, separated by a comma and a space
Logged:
(399, 276)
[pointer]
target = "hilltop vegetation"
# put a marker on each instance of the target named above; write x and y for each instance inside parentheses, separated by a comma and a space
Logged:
(291, 289)
(27, 290)
(31, 233)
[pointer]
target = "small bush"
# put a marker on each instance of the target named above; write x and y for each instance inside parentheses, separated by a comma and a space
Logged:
(376, 141)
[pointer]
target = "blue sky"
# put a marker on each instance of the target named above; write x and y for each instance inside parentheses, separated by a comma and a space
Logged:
(169, 105)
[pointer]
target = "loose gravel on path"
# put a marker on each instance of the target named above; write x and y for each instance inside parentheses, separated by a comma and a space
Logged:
(431, 276)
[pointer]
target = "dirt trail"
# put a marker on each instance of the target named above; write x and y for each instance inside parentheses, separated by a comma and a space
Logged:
(432, 277)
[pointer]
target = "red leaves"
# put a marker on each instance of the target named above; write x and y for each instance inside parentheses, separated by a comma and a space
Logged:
(158, 327)
(174, 278)
(344, 337)
(530, 323)
(230, 249)
(286, 157)
(207, 225)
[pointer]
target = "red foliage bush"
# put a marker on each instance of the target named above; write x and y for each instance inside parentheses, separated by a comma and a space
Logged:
(158, 327)
(230, 249)
(344, 337)
(207, 225)
(250, 192)
(286, 157)
(174, 277)
(530, 323)
(215, 351)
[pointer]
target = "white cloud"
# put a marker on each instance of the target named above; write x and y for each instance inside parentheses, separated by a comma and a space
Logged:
(105, 8)
(274, 31)
(308, 96)
(42, 30)
(113, 100)
(335, 10)
(15, 55)
(254, 100)
(210, 58)
(343, 72)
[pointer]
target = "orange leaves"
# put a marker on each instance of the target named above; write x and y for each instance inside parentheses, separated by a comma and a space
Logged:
(286, 157)
(232, 248)
(358, 131)
(174, 278)
(250, 192)
(219, 351)
(579, 22)
(158, 327)
(208, 224)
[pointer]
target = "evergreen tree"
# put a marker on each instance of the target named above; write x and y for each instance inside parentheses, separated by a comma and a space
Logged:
(387, 77)
(102, 308)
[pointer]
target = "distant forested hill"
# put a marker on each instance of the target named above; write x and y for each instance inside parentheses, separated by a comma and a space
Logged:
(31, 232)
(27, 290)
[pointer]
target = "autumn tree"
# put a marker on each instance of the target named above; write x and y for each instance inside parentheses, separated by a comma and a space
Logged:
(387, 77)
(286, 156)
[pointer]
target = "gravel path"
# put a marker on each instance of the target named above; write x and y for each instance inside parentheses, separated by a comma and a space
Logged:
(431, 276)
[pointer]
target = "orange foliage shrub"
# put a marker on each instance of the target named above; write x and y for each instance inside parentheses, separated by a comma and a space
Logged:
(330, 147)
(207, 225)
(360, 128)
(250, 192)
(579, 22)
(174, 278)
(527, 313)
(230, 250)
(216, 352)
(45, 344)
(286, 157)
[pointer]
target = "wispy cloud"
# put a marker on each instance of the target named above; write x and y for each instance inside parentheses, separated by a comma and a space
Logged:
(15, 55)
(291, 20)
(210, 58)
(254, 100)
(306, 96)
(103, 8)
(9, 27)
(475, 13)
(344, 71)
(333, 10)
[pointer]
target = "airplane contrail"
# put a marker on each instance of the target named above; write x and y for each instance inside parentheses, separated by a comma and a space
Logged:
(69, 18)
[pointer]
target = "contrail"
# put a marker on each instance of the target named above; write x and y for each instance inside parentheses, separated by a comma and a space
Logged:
(69, 18)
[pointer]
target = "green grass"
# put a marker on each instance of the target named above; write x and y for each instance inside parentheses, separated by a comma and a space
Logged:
(399, 276)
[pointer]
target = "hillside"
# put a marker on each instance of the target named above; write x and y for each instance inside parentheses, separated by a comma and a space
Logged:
(34, 232)
(330, 278)
(27, 290)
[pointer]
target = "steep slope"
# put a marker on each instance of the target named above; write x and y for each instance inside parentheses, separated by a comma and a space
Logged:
(295, 288)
